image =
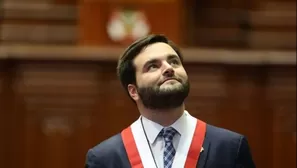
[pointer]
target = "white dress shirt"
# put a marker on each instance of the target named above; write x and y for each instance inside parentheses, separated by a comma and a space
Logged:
(157, 143)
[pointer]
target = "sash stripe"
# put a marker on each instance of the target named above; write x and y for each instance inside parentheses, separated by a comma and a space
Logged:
(131, 148)
(196, 145)
(193, 154)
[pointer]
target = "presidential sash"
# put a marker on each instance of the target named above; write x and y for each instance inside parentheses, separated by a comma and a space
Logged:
(139, 154)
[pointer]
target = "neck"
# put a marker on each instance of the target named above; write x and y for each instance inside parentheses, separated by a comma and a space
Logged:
(163, 117)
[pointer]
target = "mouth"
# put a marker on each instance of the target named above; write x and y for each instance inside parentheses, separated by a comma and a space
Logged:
(169, 79)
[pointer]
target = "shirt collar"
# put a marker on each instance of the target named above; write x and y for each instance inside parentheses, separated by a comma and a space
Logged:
(152, 128)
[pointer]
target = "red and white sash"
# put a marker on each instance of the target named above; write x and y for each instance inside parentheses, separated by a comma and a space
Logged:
(187, 155)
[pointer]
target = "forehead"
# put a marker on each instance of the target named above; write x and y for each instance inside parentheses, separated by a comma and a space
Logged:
(154, 51)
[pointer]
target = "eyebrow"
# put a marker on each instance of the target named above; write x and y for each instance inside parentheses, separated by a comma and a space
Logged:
(169, 57)
(172, 56)
(150, 62)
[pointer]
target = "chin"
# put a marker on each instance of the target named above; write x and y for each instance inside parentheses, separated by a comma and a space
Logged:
(171, 86)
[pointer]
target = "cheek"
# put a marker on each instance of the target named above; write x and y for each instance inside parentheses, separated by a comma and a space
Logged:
(185, 74)
(182, 73)
(139, 79)
(148, 80)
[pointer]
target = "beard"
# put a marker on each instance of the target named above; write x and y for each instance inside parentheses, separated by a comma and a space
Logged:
(156, 98)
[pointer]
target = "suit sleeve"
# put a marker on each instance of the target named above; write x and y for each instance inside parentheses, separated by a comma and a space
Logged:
(92, 161)
(244, 158)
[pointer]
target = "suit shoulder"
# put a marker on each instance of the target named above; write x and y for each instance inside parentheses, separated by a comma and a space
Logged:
(109, 153)
(108, 147)
(222, 134)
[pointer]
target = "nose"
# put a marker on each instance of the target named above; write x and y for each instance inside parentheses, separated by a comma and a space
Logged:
(168, 70)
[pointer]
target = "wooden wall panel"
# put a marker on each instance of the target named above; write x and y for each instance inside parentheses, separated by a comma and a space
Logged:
(246, 110)
(3, 114)
(216, 23)
(65, 2)
(273, 25)
(208, 90)
(2, 77)
(281, 96)
(59, 101)
(62, 110)
(42, 34)
(38, 22)
(1, 18)
(257, 24)
(11, 121)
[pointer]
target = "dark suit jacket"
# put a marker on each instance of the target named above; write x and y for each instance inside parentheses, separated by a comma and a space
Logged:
(222, 149)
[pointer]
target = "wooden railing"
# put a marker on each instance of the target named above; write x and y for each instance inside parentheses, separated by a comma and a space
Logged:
(191, 55)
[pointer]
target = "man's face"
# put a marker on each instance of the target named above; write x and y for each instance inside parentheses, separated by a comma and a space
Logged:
(161, 80)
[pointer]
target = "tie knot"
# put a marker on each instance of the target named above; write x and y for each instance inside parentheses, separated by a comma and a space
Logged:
(168, 134)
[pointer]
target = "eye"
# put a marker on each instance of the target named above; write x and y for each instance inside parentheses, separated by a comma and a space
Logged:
(174, 62)
(152, 67)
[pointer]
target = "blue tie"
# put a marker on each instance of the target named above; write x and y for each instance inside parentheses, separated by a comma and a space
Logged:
(169, 152)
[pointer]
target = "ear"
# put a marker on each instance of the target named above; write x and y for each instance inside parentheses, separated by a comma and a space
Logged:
(133, 92)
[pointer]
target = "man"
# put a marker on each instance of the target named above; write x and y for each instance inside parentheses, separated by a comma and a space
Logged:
(165, 135)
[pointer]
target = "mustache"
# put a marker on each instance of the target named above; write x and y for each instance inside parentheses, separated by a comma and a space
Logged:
(170, 78)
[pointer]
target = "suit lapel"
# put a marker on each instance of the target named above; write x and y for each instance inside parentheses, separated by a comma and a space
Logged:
(204, 154)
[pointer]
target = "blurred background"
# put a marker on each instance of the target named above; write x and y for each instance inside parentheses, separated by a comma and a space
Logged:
(59, 94)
